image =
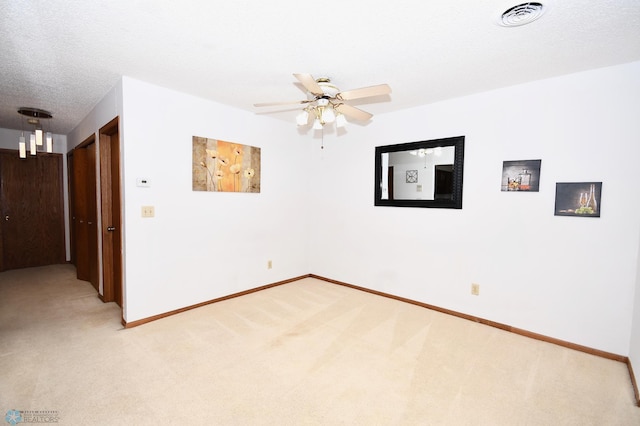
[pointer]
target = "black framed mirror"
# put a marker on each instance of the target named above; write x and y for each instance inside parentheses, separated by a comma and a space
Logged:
(420, 174)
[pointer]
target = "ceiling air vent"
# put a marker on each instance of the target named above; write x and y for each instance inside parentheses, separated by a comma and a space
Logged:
(521, 14)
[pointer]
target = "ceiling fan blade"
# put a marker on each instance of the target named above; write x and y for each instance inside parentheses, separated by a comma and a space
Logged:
(309, 83)
(353, 112)
(364, 92)
(266, 104)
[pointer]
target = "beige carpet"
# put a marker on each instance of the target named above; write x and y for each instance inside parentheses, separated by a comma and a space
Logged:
(304, 353)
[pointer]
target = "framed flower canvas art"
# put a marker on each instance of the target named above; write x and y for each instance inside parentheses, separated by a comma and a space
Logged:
(221, 166)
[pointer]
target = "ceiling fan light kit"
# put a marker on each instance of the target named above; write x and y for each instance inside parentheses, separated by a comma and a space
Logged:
(326, 103)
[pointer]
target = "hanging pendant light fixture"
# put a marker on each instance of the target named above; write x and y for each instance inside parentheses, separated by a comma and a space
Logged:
(39, 137)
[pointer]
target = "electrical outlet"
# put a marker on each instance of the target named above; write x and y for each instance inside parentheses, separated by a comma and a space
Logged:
(475, 289)
(269, 264)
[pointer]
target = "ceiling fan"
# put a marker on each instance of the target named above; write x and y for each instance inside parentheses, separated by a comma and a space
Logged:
(326, 102)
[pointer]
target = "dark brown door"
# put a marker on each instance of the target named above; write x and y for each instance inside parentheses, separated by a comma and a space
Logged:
(85, 212)
(111, 216)
(72, 206)
(80, 209)
(31, 200)
(92, 217)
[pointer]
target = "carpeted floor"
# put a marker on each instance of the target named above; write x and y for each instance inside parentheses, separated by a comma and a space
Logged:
(303, 353)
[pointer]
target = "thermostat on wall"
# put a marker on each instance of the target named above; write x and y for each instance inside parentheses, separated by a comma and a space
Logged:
(143, 182)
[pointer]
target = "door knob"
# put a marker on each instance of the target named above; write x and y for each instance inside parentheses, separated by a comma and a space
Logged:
(6, 217)
(111, 228)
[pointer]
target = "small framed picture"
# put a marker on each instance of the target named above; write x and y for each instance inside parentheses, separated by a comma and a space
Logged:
(412, 176)
(523, 175)
(581, 199)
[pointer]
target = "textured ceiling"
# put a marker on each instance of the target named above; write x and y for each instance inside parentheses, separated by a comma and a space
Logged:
(65, 55)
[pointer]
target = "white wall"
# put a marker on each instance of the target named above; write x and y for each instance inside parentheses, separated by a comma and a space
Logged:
(107, 109)
(200, 245)
(634, 351)
(204, 245)
(564, 277)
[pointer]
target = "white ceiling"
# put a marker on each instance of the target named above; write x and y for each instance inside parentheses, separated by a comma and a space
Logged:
(65, 55)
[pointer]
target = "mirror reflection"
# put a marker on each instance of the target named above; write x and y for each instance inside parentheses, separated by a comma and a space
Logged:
(429, 171)
(420, 174)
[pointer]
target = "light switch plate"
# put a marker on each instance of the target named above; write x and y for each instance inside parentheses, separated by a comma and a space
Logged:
(148, 211)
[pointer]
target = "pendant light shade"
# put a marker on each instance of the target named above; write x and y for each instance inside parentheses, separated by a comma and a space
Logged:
(22, 147)
(303, 118)
(32, 143)
(328, 116)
